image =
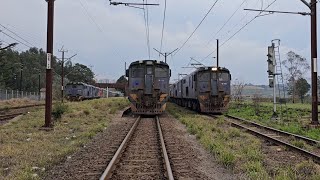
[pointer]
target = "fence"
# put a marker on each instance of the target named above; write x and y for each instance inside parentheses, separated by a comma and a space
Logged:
(15, 94)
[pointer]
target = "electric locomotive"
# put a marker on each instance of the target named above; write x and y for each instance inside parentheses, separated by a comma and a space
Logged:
(205, 90)
(148, 86)
(78, 91)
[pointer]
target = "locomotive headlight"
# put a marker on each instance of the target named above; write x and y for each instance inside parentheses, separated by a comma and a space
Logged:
(214, 69)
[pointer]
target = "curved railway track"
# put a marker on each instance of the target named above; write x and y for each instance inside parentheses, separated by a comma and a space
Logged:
(276, 136)
(142, 154)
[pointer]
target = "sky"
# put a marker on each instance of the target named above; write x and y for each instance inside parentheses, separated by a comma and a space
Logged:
(104, 37)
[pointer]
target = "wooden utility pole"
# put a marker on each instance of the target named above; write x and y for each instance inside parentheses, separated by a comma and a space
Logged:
(48, 106)
(314, 74)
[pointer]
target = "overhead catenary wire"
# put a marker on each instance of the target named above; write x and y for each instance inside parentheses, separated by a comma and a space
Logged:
(232, 36)
(148, 29)
(17, 35)
(101, 30)
(185, 42)
(15, 39)
(163, 24)
(214, 36)
(146, 23)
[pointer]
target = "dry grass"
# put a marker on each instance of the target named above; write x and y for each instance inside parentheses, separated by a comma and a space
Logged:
(236, 149)
(26, 152)
(18, 103)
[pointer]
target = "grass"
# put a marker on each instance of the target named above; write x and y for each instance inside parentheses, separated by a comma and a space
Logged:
(26, 152)
(235, 149)
(297, 121)
(17, 103)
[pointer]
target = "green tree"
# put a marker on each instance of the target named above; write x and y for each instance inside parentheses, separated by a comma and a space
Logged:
(81, 73)
(122, 80)
(296, 67)
(302, 87)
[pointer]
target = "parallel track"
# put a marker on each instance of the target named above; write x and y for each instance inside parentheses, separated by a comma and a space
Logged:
(21, 107)
(273, 135)
(141, 155)
(9, 116)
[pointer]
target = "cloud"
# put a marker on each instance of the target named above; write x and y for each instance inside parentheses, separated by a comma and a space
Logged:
(116, 34)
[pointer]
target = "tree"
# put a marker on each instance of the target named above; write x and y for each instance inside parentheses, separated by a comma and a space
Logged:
(237, 89)
(296, 67)
(122, 80)
(302, 87)
(81, 73)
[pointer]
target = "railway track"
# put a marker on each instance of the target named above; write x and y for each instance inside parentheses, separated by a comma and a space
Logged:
(142, 154)
(20, 107)
(9, 116)
(277, 136)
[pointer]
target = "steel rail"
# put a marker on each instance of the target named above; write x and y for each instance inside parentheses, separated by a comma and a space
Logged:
(108, 172)
(164, 151)
(21, 107)
(9, 116)
(315, 157)
(308, 140)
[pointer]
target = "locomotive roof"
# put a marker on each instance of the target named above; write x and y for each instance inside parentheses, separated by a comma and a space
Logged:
(213, 68)
(146, 61)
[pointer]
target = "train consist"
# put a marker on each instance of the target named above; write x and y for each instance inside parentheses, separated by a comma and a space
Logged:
(148, 86)
(78, 91)
(205, 90)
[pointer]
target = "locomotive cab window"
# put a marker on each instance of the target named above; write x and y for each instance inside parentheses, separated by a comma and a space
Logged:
(205, 76)
(137, 72)
(224, 77)
(149, 70)
(161, 72)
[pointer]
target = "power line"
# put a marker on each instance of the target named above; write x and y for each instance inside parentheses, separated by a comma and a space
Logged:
(213, 37)
(146, 19)
(90, 17)
(87, 13)
(163, 23)
(240, 29)
(148, 28)
(197, 27)
(15, 39)
(240, 21)
(16, 35)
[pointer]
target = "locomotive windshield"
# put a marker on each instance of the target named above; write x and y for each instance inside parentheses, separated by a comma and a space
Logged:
(137, 72)
(161, 72)
(205, 76)
(222, 76)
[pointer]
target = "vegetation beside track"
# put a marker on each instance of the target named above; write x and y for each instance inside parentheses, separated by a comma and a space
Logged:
(18, 103)
(296, 120)
(236, 149)
(26, 152)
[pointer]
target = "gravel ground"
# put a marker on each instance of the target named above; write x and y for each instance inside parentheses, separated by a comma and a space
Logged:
(91, 160)
(189, 160)
(142, 157)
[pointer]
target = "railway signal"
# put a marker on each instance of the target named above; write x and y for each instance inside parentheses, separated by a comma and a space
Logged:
(272, 76)
(271, 61)
(314, 71)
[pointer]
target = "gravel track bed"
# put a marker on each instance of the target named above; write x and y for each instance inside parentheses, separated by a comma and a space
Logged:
(142, 158)
(91, 160)
(187, 157)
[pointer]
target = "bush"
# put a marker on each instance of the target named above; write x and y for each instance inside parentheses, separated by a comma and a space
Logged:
(58, 110)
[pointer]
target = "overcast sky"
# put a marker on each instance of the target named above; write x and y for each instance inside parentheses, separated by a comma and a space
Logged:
(105, 36)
